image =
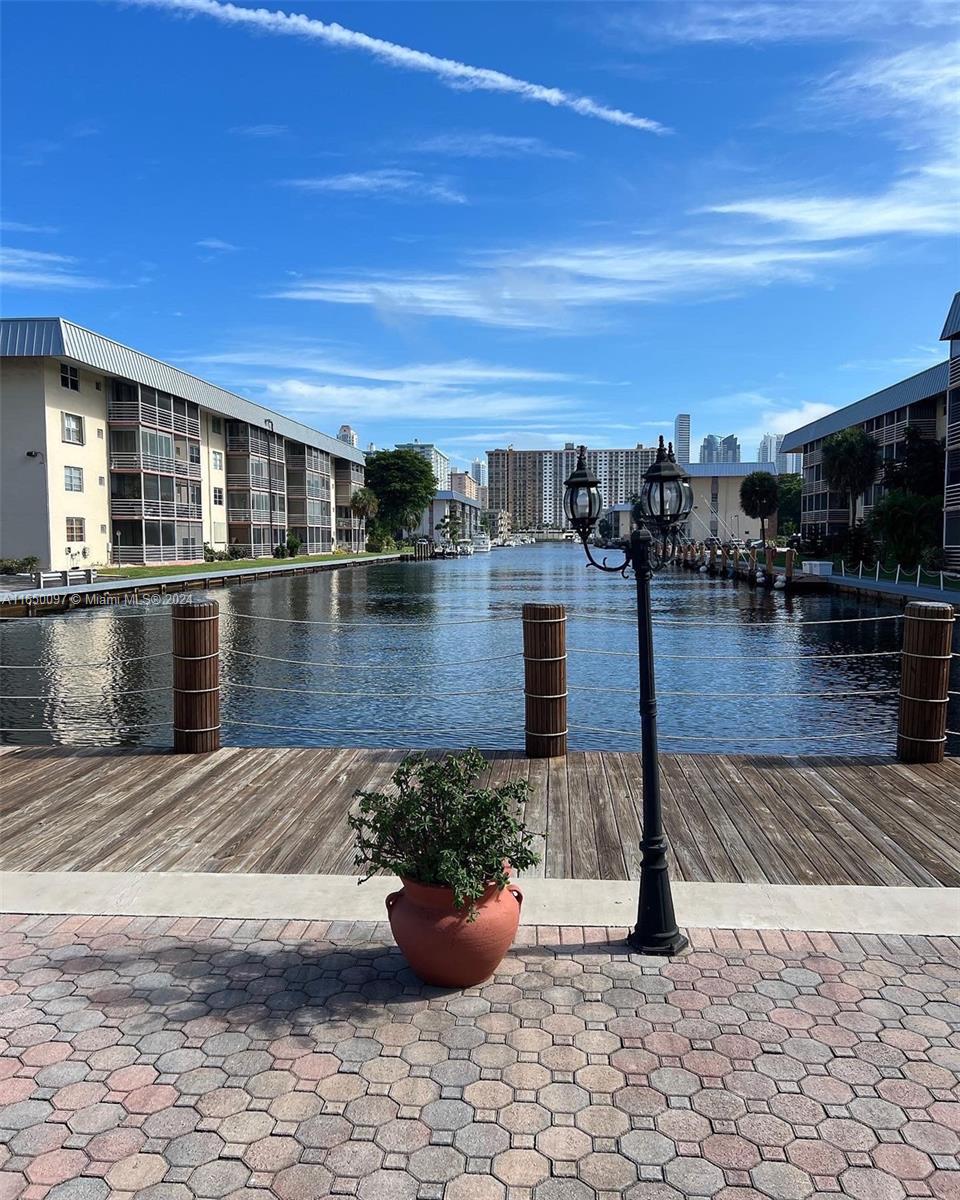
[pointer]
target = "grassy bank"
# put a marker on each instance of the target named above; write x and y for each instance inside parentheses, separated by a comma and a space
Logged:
(213, 568)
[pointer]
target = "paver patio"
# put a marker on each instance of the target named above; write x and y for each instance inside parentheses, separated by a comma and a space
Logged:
(164, 1059)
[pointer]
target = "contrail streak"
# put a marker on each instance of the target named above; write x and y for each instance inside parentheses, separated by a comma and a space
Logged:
(454, 74)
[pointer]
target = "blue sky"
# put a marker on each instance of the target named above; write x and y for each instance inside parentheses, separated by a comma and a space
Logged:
(479, 224)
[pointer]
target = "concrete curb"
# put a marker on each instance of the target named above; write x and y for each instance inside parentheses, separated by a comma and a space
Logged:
(900, 910)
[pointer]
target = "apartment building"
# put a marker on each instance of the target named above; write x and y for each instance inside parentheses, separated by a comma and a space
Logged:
(951, 483)
(920, 401)
(716, 504)
(449, 509)
(681, 438)
(438, 461)
(528, 484)
(109, 455)
(465, 484)
(478, 469)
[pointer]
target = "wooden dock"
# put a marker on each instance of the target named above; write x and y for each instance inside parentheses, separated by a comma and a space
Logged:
(730, 818)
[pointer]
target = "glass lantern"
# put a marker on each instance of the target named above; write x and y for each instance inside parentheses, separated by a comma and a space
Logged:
(582, 502)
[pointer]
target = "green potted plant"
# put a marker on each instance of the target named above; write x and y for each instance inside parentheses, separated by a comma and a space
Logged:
(454, 846)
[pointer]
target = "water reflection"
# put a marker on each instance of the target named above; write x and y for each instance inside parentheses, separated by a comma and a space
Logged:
(401, 655)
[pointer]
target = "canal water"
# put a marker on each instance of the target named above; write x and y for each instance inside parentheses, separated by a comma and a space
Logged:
(427, 655)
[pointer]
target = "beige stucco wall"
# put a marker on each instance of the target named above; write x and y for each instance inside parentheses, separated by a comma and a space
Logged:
(24, 524)
(214, 517)
(93, 503)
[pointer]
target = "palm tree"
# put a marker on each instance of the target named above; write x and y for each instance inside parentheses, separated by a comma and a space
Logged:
(364, 503)
(759, 498)
(851, 460)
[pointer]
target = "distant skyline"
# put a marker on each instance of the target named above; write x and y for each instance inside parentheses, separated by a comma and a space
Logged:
(481, 225)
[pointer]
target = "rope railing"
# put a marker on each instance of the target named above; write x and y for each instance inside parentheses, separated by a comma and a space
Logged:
(237, 673)
(368, 666)
(81, 666)
(789, 737)
(233, 683)
(756, 660)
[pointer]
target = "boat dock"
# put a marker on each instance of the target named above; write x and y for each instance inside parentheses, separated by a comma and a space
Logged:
(729, 818)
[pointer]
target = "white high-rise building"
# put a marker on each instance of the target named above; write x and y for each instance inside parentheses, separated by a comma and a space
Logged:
(347, 435)
(681, 437)
(436, 458)
(770, 451)
(478, 469)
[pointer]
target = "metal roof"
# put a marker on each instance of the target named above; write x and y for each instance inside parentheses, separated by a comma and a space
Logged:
(908, 391)
(727, 469)
(447, 494)
(951, 327)
(55, 337)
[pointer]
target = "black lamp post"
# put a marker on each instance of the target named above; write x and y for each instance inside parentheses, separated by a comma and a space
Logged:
(666, 500)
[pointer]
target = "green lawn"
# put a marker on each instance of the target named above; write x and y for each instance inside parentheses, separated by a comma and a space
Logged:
(213, 568)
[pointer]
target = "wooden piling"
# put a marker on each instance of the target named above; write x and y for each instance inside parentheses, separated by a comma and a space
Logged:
(924, 681)
(791, 555)
(545, 679)
(724, 555)
(196, 677)
(713, 558)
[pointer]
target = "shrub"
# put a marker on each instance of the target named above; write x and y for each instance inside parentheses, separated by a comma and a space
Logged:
(19, 566)
(437, 828)
(236, 552)
(209, 554)
(293, 545)
(280, 551)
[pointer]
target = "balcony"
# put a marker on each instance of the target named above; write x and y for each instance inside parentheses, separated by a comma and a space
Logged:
(186, 469)
(951, 496)
(189, 512)
(136, 509)
(155, 554)
(133, 412)
(123, 461)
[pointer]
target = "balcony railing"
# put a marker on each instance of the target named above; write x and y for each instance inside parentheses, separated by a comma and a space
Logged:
(189, 511)
(951, 496)
(241, 515)
(156, 554)
(124, 508)
(123, 461)
(187, 469)
(133, 412)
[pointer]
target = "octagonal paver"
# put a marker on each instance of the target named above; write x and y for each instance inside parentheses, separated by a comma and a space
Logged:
(233, 1061)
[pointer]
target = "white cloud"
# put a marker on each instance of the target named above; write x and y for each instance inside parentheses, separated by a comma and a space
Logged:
(218, 245)
(22, 227)
(387, 181)
(422, 401)
(916, 96)
(760, 22)
(489, 145)
(458, 75)
(305, 358)
(33, 269)
(557, 288)
(260, 131)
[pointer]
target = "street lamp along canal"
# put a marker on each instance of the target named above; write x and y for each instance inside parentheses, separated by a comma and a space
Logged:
(666, 500)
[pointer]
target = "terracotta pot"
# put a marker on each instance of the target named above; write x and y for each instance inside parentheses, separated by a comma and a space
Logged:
(438, 941)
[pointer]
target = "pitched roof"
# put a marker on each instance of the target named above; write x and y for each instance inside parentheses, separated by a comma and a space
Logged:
(951, 327)
(918, 387)
(56, 337)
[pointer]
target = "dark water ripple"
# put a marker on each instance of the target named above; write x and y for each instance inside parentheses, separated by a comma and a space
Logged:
(446, 636)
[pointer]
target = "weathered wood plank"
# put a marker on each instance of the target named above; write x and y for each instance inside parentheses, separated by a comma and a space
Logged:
(269, 809)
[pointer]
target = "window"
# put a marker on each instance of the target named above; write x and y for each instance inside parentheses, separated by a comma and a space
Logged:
(73, 479)
(100, 432)
(103, 481)
(216, 425)
(193, 451)
(218, 495)
(75, 531)
(72, 428)
(69, 378)
(103, 529)
(216, 457)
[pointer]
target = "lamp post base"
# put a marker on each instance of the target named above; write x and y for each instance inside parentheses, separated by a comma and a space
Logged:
(656, 929)
(664, 944)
